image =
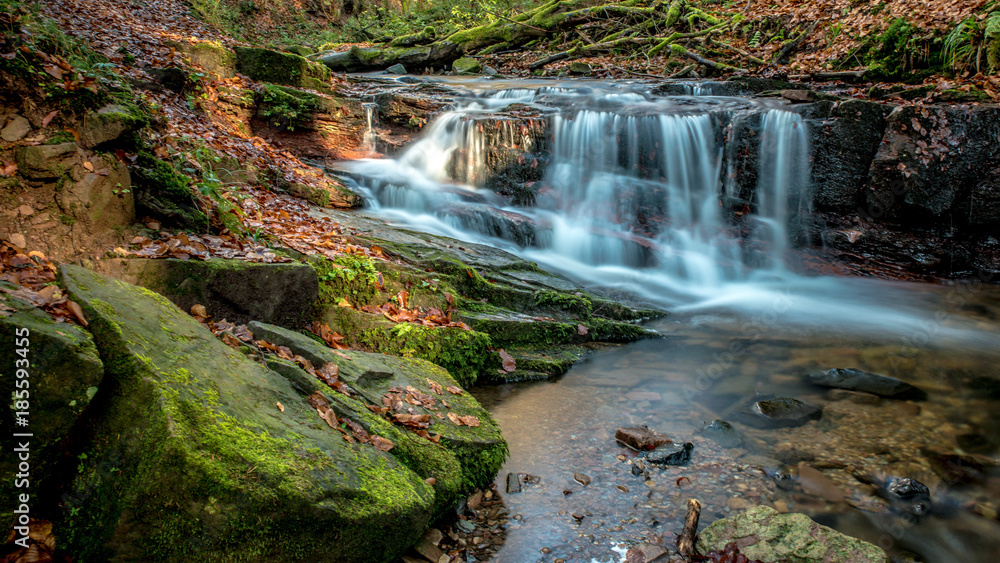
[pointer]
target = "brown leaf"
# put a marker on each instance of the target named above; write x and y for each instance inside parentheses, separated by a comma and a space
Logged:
(509, 364)
(581, 330)
(8, 169)
(435, 386)
(48, 118)
(280, 406)
(231, 340)
(88, 165)
(199, 311)
(382, 444)
(454, 390)
(77, 312)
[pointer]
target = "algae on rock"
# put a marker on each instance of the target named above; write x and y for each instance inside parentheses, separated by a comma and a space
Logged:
(189, 453)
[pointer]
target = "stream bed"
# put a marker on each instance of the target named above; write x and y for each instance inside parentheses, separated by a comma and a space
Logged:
(692, 203)
(711, 366)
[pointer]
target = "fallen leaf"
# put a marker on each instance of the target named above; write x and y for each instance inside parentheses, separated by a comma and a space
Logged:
(77, 312)
(454, 390)
(88, 165)
(509, 364)
(281, 407)
(581, 330)
(48, 118)
(199, 311)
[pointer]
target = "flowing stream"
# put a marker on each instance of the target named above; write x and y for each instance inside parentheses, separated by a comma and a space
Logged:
(629, 192)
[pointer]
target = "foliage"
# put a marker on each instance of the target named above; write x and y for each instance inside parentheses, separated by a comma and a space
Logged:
(973, 42)
(287, 108)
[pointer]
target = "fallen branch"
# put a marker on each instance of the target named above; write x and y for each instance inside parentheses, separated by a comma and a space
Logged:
(748, 56)
(782, 56)
(844, 76)
(682, 72)
(702, 60)
(686, 541)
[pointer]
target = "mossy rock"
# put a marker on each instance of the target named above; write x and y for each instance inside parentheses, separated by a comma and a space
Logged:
(64, 372)
(535, 364)
(47, 162)
(762, 533)
(265, 65)
(235, 290)
(507, 328)
(582, 69)
(466, 65)
(110, 123)
(212, 56)
(480, 450)
(189, 454)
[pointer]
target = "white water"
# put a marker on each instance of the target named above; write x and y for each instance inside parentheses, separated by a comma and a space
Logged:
(631, 200)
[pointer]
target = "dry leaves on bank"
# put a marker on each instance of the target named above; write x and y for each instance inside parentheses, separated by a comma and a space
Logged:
(183, 246)
(34, 278)
(352, 431)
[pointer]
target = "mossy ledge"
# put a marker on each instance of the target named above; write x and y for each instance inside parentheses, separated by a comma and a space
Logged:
(186, 452)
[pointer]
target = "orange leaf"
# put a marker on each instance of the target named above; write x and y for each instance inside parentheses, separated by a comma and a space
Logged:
(77, 312)
(48, 118)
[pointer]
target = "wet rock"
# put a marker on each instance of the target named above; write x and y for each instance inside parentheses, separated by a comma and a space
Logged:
(722, 433)
(466, 65)
(428, 548)
(975, 443)
(581, 478)
(908, 493)
(782, 412)
(396, 69)
(513, 483)
(762, 533)
(15, 129)
(581, 69)
(957, 469)
(857, 380)
(640, 438)
(671, 454)
(490, 71)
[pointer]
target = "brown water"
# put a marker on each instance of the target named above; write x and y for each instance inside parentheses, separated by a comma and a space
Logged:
(710, 366)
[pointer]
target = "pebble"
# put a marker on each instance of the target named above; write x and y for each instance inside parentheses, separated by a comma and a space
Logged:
(581, 478)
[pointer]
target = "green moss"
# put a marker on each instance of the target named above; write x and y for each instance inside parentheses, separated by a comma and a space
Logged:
(887, 60)
(574, 304)
(60, 137)
(264, 65)
(464, 353)
(347, 277)
(287, 108)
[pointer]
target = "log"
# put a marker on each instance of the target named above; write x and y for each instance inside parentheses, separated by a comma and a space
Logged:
(702, 60)
(843, 76)
(689, 534)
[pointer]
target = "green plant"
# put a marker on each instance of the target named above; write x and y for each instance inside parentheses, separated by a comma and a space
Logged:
(973, 42)
(287, 108)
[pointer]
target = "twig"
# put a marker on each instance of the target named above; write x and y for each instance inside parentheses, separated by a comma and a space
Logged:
(585, 36)
(707, 62)
(686, 541)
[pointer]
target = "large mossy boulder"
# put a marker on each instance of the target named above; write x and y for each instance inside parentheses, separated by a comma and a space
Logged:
(196, 451)
(265, 65)
(481, 450)
(235, 290)
(764, 534)
(466, 65)
(63, 373)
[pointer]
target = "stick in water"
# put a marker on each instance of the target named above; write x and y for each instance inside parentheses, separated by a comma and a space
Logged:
(686, 541)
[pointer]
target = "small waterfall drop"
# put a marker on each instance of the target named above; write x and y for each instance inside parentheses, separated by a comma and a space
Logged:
(370, 137)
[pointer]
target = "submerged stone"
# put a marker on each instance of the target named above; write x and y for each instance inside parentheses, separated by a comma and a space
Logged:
(640, 437)
(671, 454)
(857, 380)
(782, 412)
(762, 533)
(206, 461)
(722, 433)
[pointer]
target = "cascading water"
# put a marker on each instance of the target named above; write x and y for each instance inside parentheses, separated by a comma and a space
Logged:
(371, 120)
(633, 181)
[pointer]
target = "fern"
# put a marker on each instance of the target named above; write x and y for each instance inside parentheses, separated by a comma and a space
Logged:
(960, 45)
(991, 38)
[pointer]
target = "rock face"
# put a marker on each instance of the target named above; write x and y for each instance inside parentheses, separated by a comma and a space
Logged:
(764, 534)
(857, 380)
(192, 448)
(235, 290)
(64, 374)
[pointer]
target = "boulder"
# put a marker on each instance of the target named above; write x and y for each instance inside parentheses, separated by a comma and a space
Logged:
(234, 290)
(99, 199)
(466, 65)
(396, 69)
(212, 56)
(762, 533)
(107, 124)
(64, 373)
(857, 380)
(196, 450)
(47, 162)
(579, 68)
(480, 450)
(16, 128)
(265, 65)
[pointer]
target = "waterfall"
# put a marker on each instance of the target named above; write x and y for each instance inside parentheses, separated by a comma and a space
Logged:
(633, 183)
(371, 120)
